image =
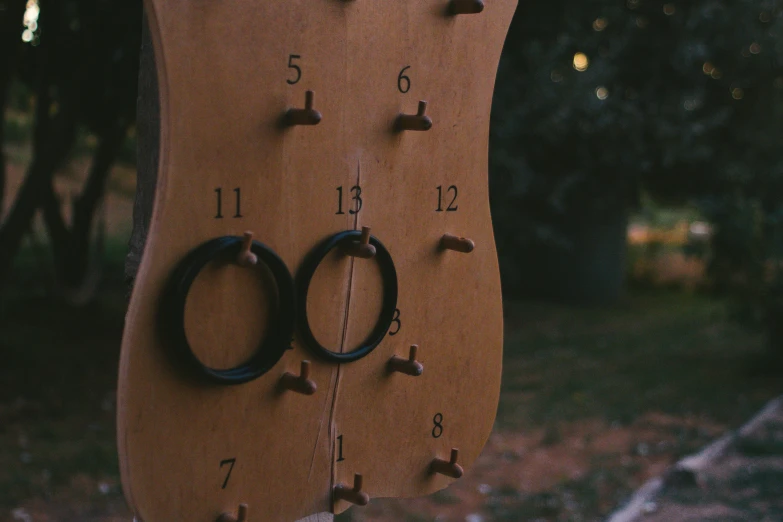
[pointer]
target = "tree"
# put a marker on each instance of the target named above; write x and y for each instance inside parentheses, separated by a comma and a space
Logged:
(678, 100)
(598, 102)
(10, 30)
(83, 73)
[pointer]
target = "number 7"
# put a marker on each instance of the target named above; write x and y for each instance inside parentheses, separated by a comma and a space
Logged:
(223, 463)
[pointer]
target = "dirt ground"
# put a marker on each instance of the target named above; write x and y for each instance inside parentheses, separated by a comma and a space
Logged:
(516, 473)
(526, 476)
(745, 484)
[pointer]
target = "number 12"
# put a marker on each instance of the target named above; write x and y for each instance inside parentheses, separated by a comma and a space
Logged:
(452, 206)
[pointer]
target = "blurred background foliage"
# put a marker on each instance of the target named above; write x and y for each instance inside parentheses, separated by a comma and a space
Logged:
(603, 110)
(71, 75)
(600, 108)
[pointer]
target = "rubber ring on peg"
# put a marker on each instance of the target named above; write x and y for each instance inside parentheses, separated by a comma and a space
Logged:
(281, 323)
(305, 275)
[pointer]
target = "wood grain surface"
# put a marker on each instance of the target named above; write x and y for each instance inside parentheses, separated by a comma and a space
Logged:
(222, 69)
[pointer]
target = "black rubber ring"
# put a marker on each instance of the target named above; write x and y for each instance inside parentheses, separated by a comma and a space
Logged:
(389, 304)
(281, 324)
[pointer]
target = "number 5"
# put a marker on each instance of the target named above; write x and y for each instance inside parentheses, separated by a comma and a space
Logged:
(291, 65)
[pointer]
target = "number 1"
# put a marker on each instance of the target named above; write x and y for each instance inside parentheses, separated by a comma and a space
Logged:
(219, 214)
(238, 214)
(340, 457)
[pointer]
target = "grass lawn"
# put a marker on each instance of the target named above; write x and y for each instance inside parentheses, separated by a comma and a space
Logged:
(671, 353)
(594, 401)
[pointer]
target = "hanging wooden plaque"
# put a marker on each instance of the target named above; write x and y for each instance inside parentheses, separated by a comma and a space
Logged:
(317, 317)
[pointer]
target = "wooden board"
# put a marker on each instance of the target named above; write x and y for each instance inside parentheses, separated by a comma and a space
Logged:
(225, 83)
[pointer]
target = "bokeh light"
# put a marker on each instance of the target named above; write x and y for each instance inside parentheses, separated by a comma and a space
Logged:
(602, 93)
(30, 21)
(581, 62)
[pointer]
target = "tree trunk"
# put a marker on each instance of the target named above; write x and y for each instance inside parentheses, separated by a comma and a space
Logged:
(52, 140)
(591, 271)
(76, 261)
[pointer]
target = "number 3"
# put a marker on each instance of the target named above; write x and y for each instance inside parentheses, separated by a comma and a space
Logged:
(396, 321)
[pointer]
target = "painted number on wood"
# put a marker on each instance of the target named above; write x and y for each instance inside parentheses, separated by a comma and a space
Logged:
(403, 82)
(357, 197)
(437, 430)
(340, 457)
(297, 71)
(230, 463)
(396, 323)
(452, 207)
(238, 197)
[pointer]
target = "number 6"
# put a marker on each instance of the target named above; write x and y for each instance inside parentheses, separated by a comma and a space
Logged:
(404, 78)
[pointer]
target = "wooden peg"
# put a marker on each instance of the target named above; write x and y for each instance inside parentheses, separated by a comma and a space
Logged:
(241, 515)
(306, 116)
(458, 244)
(409, 366)
(353, 495)
(449, 468)
(246, 257)
(362, 248)
(414, 122)
(458, 7)
(299, 383)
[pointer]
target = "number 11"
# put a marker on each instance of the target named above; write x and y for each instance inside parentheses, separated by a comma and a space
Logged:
(219, 192)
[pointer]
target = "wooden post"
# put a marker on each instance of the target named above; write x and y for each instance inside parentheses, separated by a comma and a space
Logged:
(148, 136)
(245, 147)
